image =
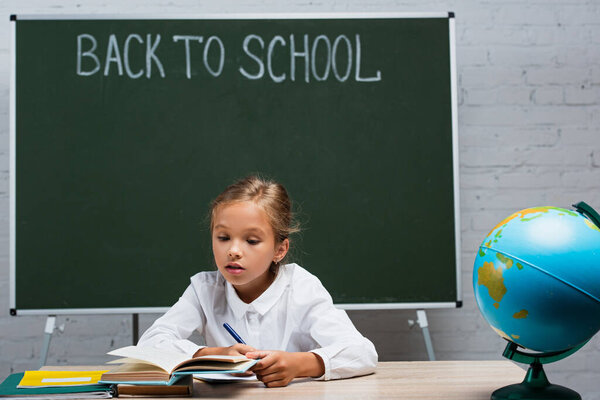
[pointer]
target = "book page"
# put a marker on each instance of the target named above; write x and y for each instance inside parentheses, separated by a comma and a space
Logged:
(136, 367)
(216, 377)
(216, 362)
(164, 359)
(217, 357)
(203, 365)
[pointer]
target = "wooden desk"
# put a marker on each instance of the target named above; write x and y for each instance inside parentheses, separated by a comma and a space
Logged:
(447, 380)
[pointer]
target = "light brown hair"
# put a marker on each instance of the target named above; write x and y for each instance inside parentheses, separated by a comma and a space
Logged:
(269, 195)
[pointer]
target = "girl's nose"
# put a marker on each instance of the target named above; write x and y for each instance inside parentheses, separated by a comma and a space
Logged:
(234, 253)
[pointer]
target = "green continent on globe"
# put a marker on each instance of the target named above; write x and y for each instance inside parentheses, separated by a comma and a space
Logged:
(521, 314)
(505, 260)
(492, 279)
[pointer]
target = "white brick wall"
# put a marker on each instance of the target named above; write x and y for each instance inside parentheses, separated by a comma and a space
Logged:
(529, 123)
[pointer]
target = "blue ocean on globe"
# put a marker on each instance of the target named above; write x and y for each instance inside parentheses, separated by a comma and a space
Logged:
(537, 278)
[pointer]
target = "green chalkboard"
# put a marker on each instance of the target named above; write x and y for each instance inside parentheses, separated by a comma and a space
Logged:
(125, 130)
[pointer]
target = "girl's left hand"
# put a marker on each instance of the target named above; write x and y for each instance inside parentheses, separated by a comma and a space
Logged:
(278, 368)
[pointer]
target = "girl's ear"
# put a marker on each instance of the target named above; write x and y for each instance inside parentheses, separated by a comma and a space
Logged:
(281, 250)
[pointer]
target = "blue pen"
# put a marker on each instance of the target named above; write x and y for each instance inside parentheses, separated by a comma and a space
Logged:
(233, 333)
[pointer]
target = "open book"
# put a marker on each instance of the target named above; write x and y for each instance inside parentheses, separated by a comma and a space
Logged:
(151, 366)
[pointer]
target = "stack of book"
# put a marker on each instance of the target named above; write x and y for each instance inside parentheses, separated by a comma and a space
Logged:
(141, 371)
(55, 385)
(151, 371)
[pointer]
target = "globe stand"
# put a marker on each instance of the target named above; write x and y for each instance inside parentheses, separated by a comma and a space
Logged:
(535, 386)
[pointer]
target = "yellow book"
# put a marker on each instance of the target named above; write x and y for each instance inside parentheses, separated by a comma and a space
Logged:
(38, 379)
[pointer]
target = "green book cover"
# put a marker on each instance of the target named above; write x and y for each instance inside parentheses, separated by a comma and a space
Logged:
(9, 388)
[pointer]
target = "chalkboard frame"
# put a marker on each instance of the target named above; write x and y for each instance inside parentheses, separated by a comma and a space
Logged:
(137, 310)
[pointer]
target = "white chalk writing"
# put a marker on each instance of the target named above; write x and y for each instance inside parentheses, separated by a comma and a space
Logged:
(278, 58)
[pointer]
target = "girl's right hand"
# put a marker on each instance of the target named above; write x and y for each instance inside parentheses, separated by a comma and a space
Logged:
(237, 349)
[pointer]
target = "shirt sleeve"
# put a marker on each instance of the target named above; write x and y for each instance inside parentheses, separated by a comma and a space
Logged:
(344, 351)
(172, 330)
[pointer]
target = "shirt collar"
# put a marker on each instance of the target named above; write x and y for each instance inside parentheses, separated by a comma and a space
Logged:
(265, 301)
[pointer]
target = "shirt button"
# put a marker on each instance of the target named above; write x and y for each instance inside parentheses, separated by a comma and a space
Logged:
(253, 320)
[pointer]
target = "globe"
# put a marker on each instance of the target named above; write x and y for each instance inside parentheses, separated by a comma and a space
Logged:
(536, 280)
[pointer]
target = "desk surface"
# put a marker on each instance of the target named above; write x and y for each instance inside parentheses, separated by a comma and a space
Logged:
(430, 380)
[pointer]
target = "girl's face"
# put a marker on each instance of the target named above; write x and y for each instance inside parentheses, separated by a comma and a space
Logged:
(244, 246)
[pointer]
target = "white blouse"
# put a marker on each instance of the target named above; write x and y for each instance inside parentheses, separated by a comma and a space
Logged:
(296, 313)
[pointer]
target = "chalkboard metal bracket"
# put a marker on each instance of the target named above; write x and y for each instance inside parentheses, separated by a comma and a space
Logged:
(424, 325)
(48, 331)
(13, 311)
(13, 17)
(450, 14)
(459, 304)
(50, 326)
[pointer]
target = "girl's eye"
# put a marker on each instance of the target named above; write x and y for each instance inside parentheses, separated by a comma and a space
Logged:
(223, 238)
(253, 241)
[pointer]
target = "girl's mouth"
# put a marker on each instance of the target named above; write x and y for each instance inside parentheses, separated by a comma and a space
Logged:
(234, 268)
